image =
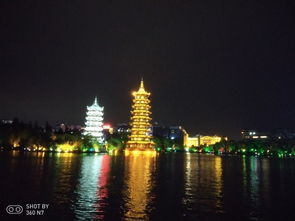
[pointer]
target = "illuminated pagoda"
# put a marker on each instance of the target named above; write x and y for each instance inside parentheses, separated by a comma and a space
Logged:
(94, 121)
(140, 138)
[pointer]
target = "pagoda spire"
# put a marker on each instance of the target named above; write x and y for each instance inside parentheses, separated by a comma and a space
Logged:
(141, 83)
(95, 101)
(141, 88)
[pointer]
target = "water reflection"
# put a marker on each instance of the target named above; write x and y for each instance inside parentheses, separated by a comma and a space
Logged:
(63, 177)
(139, 168)
(255, 185)
(91, 190)
(102, 191)
(218, 183)
(150, 187)
(254, 181)
(203, 186)
(265, 182)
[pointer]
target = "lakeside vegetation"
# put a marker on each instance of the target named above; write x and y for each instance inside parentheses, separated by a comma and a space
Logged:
(28, 137)
(279, 148)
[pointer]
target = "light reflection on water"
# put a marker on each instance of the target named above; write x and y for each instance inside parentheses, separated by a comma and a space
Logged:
(138, 185)
(150, 187)
(91, 191)
(203, 185)
(87, 187)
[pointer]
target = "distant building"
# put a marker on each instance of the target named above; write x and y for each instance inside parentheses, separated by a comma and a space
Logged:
(5, 121)
(210, 140)
(107, 128)
(69, 129)
(175, 133)
(254, 134)
(179, 135)
(274, 134)
(282, 134)
(199, 140)
(63, 127)
(192, 141)
(122, 128)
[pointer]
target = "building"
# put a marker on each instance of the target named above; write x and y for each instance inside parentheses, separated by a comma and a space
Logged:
(140, 137)
(175, 133)
(200, 140)
(5, 121)
(94, 121)
(282, 134)
(107, 128)
(160, 131)
(192, 141)
(262, 135)
(210, 140)
(254, 134)
(123, 128)
(65, 128)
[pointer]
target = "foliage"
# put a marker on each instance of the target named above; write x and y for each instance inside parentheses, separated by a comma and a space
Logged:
(21, 136)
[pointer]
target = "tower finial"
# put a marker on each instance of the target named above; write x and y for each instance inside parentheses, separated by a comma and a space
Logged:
(141, 83)
(95, 100)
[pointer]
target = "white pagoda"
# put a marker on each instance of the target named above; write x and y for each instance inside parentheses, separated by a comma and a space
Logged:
(94, 121)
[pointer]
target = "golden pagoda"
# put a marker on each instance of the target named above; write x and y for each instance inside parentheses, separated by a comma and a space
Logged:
(140, 138)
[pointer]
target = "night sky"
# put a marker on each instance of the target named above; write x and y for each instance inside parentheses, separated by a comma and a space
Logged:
(214, 67)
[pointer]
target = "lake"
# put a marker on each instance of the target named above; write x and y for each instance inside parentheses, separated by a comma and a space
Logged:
(168, 186)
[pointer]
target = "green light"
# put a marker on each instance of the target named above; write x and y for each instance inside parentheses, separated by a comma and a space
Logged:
(208, 149)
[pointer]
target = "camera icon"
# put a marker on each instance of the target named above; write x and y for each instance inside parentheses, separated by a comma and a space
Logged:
(14, 209)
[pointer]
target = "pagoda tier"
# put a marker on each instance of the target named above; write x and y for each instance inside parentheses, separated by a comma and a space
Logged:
(140, 138)
(94, 121)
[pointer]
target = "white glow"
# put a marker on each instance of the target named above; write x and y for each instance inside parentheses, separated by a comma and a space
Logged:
(94, 121)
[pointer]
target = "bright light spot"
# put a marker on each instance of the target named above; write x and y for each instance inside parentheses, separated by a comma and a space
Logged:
(106, 126)
(140, 152)
(67, 147)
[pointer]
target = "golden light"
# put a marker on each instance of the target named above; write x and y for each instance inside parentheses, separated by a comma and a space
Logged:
(38, 147)
(139, 169)
(140, 138)
(67, 147)
(113, 152)
(135, 152)
(109, 128)
(209, 140)
(15, 142)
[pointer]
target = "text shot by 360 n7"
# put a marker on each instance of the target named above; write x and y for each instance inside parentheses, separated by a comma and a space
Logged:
(29, 209)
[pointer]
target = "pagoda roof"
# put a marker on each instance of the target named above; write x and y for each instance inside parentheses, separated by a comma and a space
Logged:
(141, 89)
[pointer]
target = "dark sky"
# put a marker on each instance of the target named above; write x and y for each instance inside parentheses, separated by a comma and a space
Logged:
(212, 66)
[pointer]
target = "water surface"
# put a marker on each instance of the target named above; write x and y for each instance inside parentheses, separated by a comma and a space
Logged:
(172, 186)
